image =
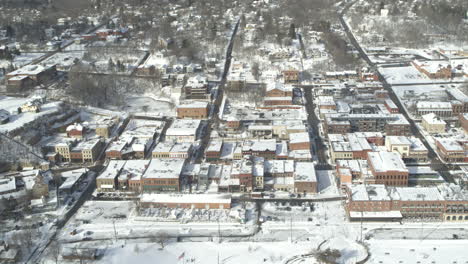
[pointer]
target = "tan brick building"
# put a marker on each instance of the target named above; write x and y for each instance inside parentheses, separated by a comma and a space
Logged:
(193, 110)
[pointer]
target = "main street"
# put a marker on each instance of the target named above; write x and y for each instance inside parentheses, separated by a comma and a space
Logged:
(436, 163)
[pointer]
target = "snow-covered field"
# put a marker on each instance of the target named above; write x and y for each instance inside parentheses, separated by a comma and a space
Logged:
(206, 253)
(137, 104)
(423, 252)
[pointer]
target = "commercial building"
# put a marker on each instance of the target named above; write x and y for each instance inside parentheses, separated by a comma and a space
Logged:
(433, 124)
(391, 124)
(299, 141)
(172, 150)
(443, 109)
(450, 150)
(183, 130)
(388, 168)
(305, 179)
(107, 180)
(193, 110)
(382, 203)
(410, 148)
(162, 175)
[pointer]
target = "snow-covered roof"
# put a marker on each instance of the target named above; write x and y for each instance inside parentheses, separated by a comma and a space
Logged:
(183, 147)
(163, 147)
(279, 166)
(7, 184)
(134, 169)
(75, 126)
(398, 140)
(371, 192)
(164, 168)
(384, 161)
(214, 146)
(415, 194)
(450, 144)
(259, 145)
(433, 119)
(86, 145)
(227, 151)
(29, 70)
(433, 105)
(299, 137)
(305, 172)
(71, 177)
(421, 170)
(192, 104)
(113, 169)
(183, 127)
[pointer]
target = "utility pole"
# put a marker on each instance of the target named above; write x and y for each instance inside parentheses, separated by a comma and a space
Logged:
(362, 215)
(290, 228)
(219, 232)
(115, 231)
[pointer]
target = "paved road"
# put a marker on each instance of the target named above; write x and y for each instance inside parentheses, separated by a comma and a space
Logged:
(213, 121)
(436, 163)
(312, 118)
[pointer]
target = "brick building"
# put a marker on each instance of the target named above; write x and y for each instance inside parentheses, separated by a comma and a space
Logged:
(388, 168)
(162, 175)
(450, 150)
(291, 76)
(299, 141)
(381, 203)
(193, 110)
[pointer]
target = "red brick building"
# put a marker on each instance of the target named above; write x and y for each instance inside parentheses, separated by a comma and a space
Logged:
(388, 168)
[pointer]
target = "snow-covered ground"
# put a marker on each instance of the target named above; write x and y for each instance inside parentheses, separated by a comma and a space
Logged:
(19, 120)
(209, 252)
(423, 252)
(103, 217)
(137, 104)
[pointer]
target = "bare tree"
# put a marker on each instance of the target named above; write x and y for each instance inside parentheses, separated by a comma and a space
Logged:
(162, 238)
(327, 256)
